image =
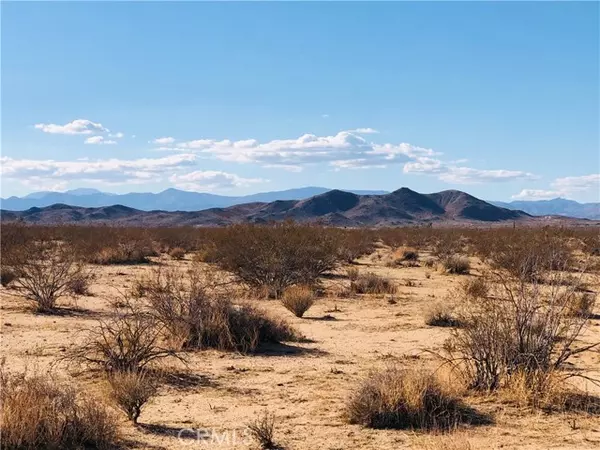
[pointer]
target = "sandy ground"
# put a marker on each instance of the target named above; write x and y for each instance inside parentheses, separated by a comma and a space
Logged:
(305, 385)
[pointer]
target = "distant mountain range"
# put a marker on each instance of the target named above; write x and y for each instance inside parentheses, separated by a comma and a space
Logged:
(178, 200)
(555, 207)
(334, 207)
(167, 200)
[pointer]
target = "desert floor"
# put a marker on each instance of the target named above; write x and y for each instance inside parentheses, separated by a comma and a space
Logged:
(305, 385)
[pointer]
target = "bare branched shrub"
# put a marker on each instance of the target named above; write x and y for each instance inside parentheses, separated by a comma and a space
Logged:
(582, 305)
(522, 327)
(407, 399)
(177, 253)
(456, 264)
(39, 411)
(298, 299)
(131, 390)
(371, 283)
(277, 256)
(128, 342)
(195, 316)
(45, 271)
(262, 429)
(126, 252)
(440, 314)
(409, 254)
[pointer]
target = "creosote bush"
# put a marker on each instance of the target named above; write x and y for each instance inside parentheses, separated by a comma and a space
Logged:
(131, 390)
(456, 264)
(298, 299)
(177, 253)
(45, 271)
(196, 316)
(406, 399)
(371, 283)
(279, 255)
(522, 327)
(39, 411)
(128, 342)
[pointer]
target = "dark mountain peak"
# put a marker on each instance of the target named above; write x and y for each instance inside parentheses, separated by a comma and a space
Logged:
(329, 202)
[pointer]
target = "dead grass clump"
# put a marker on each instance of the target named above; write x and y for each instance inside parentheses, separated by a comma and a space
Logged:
(582, 305)
(440, 314)
(456, 265)
(429, 262)
(40, 411)
(80, 284)
(352, 273)
(195, 316)
(262, 429)
(131, 390)
(177, 253)
(128, 342)
(298, 299)
(476, 287)
(371, 283)
(406, 399)
(7, 276)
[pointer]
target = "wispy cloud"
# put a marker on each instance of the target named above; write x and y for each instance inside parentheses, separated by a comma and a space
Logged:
(211, 180)
(99, 140)
(566, 187)
(163, 141)
(78, 126)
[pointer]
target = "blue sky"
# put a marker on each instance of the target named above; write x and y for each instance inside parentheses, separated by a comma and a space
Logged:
(498, 99)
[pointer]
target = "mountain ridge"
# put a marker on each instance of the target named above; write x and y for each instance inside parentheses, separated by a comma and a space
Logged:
(334, 207)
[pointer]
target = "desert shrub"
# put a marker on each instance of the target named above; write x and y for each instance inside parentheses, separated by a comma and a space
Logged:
(262, 429)
(45, 273)
(298, 299)
(410, 255)
(277, 256)
(406, 399)
(177, 253)
(133, 252)
(429, 262)
(39, 411)
(352, 273)
(476, 287)
(522, 327)
(456, 264)
(440, 314)
(7, 276)
(582, 305)
(131, 390)
(80, 284)
(194, 316)
(371, 283)
(128, 342)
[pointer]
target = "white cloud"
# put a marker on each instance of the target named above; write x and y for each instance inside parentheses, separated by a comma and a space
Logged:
(211, 180)
(78, 126)
(325, 116)
(108, 171)
(163, 141)
(118, 135)
(566, 187)
(451, 173)
(99, 140)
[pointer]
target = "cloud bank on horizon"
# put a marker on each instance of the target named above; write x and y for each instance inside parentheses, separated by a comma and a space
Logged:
(353, 149)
